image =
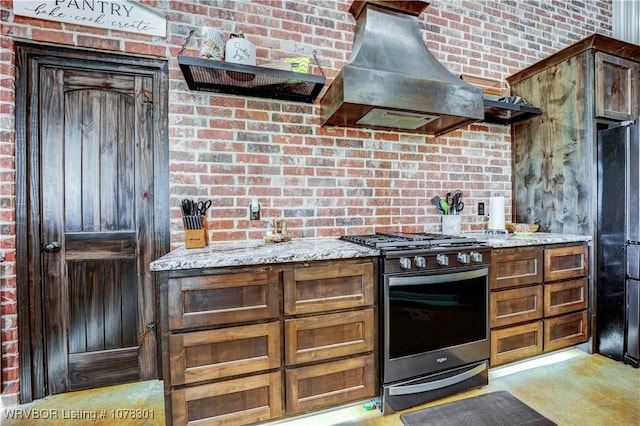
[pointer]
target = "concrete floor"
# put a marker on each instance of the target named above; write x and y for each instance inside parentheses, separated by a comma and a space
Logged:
(570, 388)
(113, 405)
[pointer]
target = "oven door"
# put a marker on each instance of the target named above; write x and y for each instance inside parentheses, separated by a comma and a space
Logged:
(434, 322)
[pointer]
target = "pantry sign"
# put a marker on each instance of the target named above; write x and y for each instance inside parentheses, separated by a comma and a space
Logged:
(121, 15)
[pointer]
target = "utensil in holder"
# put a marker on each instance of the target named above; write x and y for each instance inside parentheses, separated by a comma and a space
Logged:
(196, 238)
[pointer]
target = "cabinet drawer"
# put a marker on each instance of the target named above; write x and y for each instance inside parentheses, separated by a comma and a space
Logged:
(330, 287)
(566, 330)
(515, 343)
(565, 296)
(214, 354)
(515, 267)
(222, 299)
(233, 402)
(563, 263)
(323, 337)
(328, 384)
(516, 305)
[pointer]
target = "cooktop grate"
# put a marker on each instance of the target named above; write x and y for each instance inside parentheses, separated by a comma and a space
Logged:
(399, 240)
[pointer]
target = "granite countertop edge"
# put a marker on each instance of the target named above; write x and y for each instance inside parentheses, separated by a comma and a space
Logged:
(255, 252)
(535, 239)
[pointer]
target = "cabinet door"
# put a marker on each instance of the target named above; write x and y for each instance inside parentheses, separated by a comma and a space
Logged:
(213, 354)
(323, 337)
(564, 331)
(223, 299)
(338, 285)
(562, 263)
(515, 267)
(516, 305)
(616, 87)
(233, 402)
(515, 343)
(565, 296)
(328, 384)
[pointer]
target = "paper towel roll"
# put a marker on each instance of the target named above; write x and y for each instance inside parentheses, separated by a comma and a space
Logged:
(496, 213)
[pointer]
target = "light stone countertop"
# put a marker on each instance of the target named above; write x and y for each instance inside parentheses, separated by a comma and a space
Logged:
(537, 238)
(255, 252)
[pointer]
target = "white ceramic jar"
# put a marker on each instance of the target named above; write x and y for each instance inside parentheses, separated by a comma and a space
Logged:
(239, 50)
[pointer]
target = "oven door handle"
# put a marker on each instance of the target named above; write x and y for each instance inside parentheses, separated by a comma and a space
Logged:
(440, 278)
(437, 384)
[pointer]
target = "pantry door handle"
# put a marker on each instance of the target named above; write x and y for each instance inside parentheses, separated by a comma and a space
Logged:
(52, 247)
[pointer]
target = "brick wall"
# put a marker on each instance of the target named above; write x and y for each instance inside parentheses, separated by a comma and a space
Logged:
(322, 181)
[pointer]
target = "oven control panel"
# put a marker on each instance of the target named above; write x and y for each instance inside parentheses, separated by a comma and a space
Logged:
(431, 261)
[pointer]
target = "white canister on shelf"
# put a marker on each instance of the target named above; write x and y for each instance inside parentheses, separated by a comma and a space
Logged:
(239, 50)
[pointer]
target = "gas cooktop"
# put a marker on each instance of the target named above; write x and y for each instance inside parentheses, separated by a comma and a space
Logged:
(408, 240)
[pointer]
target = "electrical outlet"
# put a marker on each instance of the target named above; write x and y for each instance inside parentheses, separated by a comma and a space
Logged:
(480, 209)
(254, 210)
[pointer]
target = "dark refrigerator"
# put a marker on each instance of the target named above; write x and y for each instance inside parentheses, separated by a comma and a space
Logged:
(618, 243)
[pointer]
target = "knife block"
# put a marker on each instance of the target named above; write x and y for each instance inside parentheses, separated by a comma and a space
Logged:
(196, 238)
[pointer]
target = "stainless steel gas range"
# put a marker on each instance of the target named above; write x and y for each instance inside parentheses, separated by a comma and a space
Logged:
(434, 315)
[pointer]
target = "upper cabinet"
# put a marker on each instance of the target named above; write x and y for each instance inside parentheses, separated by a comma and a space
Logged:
(616, 87)
(579, 90)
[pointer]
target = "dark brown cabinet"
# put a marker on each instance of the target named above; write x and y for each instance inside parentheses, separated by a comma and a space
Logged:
(565, 262)
(564, 331)
(330, 330)
(516, 305)
(516, 343)
(328, 287)
(318, 386)
(537, 307)
(580, 90)
(322, 337)
(585, 88)
(250, 345)
(616, 87)
(515, 267)
(212, 354)
(225, 328)
(565, 296)
(230, 402)
(210, 300)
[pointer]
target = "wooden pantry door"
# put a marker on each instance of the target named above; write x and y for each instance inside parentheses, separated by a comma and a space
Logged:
(94, 157)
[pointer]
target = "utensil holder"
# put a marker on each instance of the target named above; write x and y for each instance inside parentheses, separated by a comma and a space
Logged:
(196, 238)
(451, 224)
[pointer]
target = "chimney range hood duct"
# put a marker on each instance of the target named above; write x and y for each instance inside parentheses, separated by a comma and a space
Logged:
(393, 81)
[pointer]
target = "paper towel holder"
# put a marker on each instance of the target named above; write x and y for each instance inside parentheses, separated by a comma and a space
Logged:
(496, 207)
(497, 233)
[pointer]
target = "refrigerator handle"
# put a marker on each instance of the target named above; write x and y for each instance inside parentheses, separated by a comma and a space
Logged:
(633, 259)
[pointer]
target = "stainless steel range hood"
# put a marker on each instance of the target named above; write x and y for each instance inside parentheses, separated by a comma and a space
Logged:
(393, 81)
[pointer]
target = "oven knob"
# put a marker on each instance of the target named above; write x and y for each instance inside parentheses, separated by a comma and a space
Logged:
(442, 259)
(420, 262)
(464, 258)
(476, 257)
(405, 263)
